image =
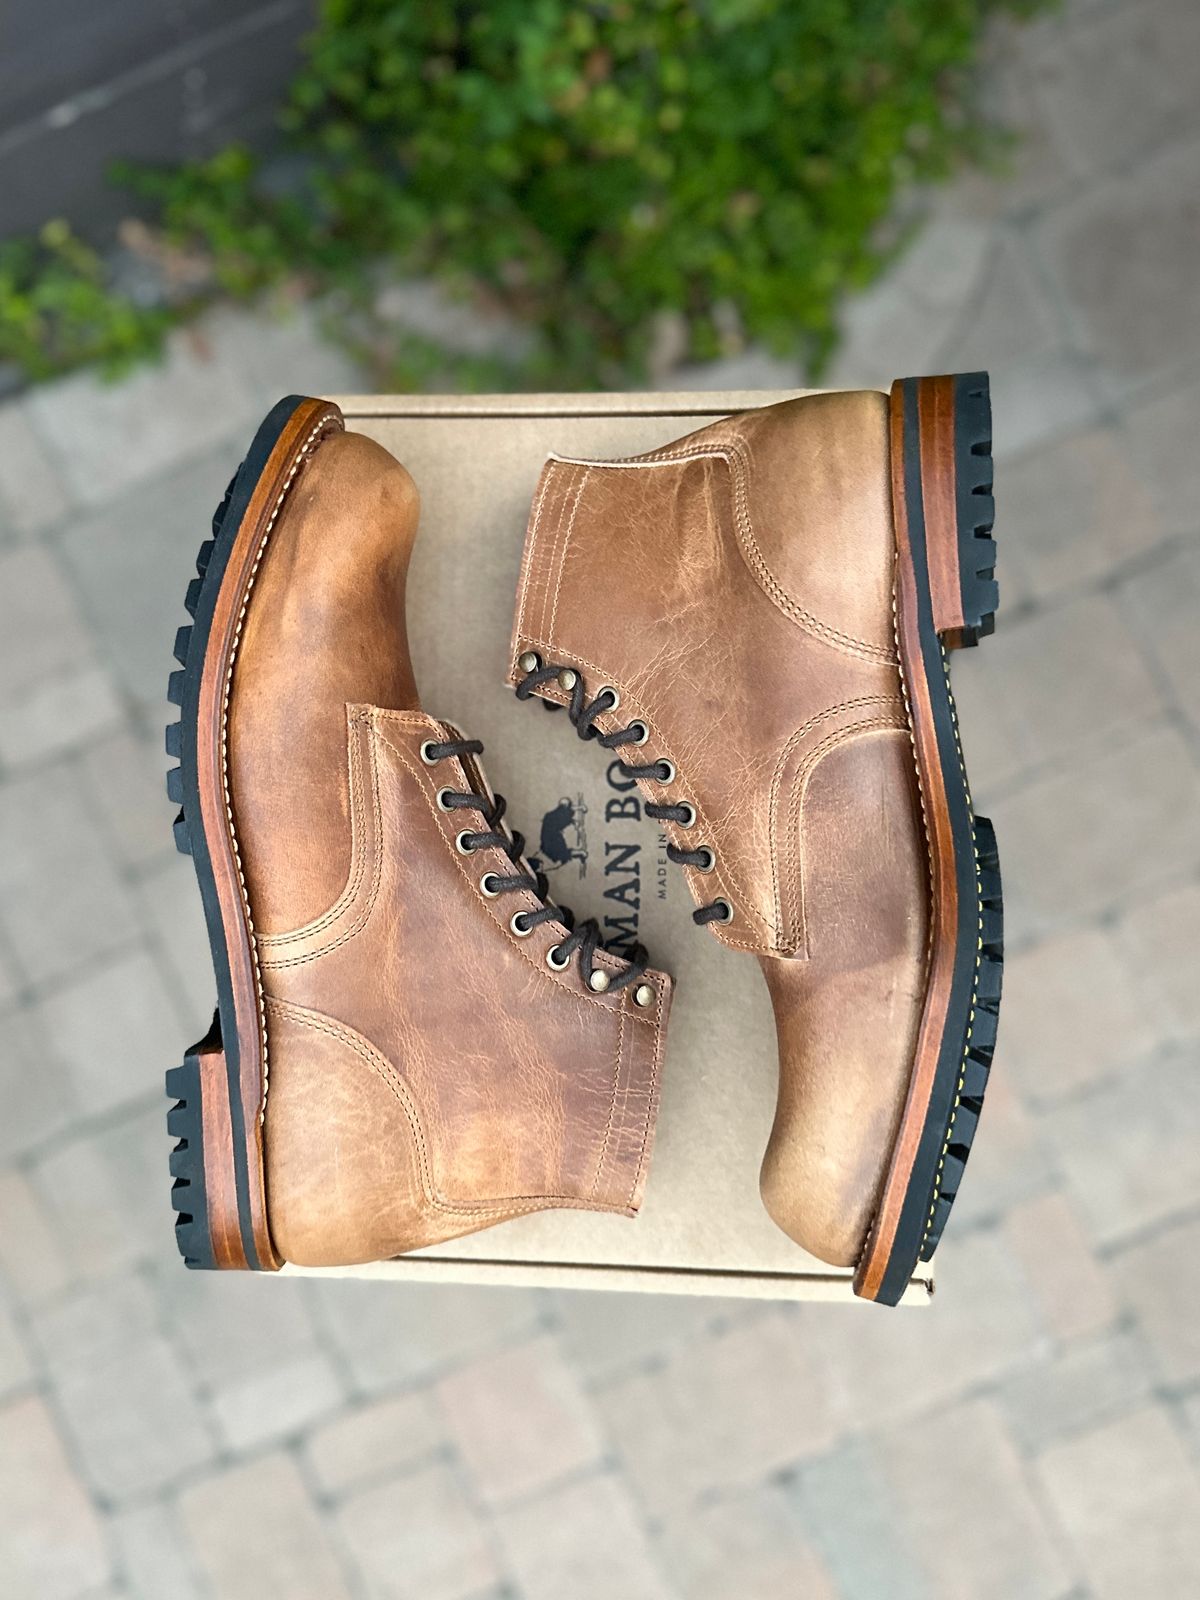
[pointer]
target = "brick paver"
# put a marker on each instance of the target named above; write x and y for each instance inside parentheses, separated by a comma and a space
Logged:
(520, 1420)
(53, 1541)
(418, 1538)
(1036, 1433)
(587, 1541)
(1127, 1496)
(257, 1535)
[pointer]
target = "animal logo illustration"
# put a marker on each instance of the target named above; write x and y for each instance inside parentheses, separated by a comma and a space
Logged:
(563, 837)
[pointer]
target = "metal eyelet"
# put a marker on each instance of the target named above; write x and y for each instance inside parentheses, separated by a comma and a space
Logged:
(644, 736)
(643, 995)
(665, 773)
(530, 661)
(599, 981)
(690, 820)
(614, 699)
(519, 925)
(728, 917)
(443, 796)
(485, 886)
(709, 862)
(555, 961)
(460, 844)
(567, 679)
(426, 746)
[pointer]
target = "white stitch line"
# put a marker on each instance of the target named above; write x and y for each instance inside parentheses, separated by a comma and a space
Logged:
(962, 1070)
(237, 855)
(530, 547)
(566, 544)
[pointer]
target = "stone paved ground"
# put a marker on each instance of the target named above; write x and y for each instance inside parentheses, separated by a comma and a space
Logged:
(165, 1436)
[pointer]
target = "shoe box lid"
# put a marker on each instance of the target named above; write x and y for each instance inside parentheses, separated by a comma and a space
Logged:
(702, 1228)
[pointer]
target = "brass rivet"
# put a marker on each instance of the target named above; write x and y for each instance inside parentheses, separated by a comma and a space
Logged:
(529, 662)
(644, 994)
(598, 980)
(567, 679)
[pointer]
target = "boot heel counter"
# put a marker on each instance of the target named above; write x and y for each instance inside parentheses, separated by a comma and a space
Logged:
(342, 1155)
(821, 511)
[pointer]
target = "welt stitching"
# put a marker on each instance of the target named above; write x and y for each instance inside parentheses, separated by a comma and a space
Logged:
(227, 689)
(962, 1066)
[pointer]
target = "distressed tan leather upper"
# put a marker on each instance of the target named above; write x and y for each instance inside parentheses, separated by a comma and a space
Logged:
(428, 1074)
(735, 588)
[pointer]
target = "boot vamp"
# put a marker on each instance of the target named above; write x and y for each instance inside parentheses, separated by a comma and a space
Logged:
(847, 1016)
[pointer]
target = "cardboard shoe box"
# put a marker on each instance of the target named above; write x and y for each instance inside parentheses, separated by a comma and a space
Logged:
(702, 1228)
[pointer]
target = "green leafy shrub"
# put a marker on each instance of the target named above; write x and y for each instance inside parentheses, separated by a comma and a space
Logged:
(585, 168)
(58, 310)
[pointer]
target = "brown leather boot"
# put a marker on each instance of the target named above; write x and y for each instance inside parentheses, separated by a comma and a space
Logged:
(757, 617)
(410, 1043)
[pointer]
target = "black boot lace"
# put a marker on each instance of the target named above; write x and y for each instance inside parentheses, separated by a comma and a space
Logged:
(583, 713)
(584, 937)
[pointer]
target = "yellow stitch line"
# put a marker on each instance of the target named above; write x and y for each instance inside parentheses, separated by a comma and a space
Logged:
(226, 690)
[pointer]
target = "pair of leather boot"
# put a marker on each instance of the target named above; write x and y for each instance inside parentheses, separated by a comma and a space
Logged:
(412, 1040)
